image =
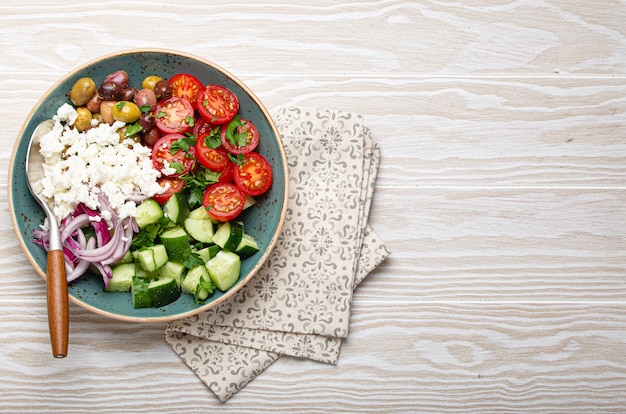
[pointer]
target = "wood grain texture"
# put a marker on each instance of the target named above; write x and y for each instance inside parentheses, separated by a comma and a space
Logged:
(447, 357)
(501, 194)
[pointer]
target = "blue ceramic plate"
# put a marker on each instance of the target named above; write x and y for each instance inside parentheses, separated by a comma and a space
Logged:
(263, 221)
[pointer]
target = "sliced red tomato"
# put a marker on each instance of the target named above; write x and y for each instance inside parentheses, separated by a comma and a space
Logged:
(186, 86)
(217, 104)
(202, 128)
(240, 136)
(174, 115)
(254, 175)
(164, 156)
(227, 175)
(175, 186)
(215, 159)
(223, 201)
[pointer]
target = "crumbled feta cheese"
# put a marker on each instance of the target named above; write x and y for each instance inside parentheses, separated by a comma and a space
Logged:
(79, 166)
(167, 170)
(66, 113)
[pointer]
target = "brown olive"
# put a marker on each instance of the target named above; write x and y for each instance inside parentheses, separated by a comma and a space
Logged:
(163, 90)
(94, 103)
(110, 91)
(119, 77)
(145, 97)
(147, 121)
(150, 137)
(106, 108)
(128, 94)
(82, 91)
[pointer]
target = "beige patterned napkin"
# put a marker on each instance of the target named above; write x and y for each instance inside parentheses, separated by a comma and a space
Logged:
(299, 302)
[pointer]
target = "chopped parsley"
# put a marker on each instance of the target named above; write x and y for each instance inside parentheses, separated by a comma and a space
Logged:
(133, 129)
(233, 136)
(193, 260)
(196, 183)
(237, 159)
(213, 139)
(183, 144)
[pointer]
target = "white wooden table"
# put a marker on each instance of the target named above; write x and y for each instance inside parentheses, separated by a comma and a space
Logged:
(501, 193)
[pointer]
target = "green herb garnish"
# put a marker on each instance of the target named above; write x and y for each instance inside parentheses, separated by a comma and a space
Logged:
(213, 140)
(133, 129)
(183, 144)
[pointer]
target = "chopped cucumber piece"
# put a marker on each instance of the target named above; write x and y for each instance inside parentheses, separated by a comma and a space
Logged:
(173, 270)
(122, 278)
(163, 291)
(148, 212)
(224, 269)
(208, 252)
(176, 208)
(198, 283)
(176, 243)
(247, 247)
(128, 258)
(139, 292)
(200, 213)
(249, 202)
(152, 257)
(228, 235)
(200, 230)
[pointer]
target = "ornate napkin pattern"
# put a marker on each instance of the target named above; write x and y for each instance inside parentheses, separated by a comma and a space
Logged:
(299, 302)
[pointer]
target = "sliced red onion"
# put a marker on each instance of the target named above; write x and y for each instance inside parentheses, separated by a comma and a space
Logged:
(108, 246)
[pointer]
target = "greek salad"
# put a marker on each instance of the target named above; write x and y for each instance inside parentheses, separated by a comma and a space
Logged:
(148, 182)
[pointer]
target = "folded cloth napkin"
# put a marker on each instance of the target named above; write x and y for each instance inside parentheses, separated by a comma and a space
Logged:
(298, 304)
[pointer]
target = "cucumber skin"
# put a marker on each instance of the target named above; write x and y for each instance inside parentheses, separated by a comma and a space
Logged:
(177, 247)
(163, 292)
(176, 208)
(140, 296)
(228, 235)
(247, 247)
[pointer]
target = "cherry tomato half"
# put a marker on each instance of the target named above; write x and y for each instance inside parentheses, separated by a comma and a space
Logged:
(175, 186)
(174, 115)
(186, 86)
(214, 159)
(202, 128)
(243, 129)
(181, 160)
(254, 175)
(223, 201)
(217, 104)
(227, 175)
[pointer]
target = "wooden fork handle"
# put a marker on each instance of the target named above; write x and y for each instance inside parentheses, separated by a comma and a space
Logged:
(58, 306)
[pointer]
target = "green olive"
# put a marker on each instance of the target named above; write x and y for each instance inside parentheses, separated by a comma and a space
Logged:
(97, 116)
(83, 121)
(82, 91)
(150, 81)
(126, 111)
